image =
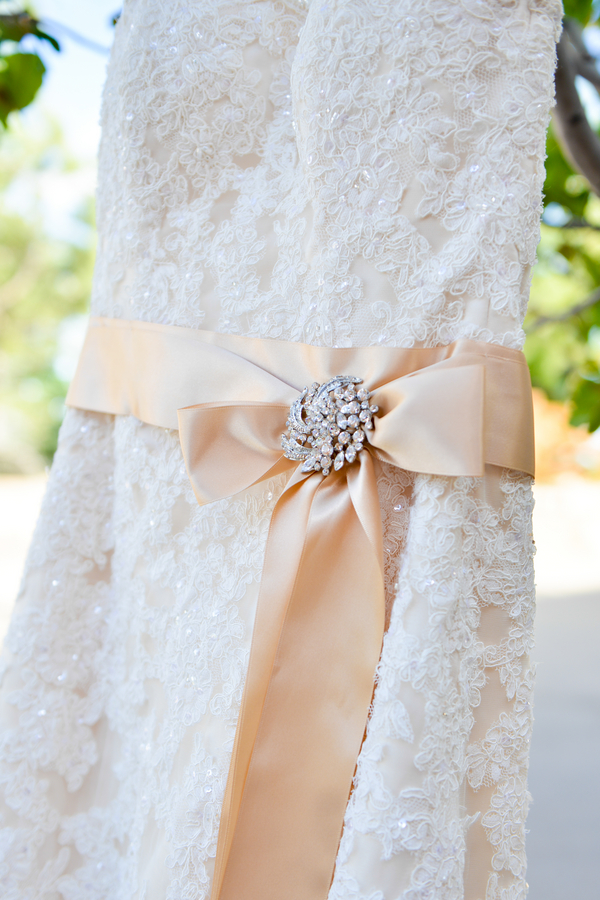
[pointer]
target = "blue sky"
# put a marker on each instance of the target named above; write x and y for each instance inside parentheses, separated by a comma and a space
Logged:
(73, 85)
(71, 96)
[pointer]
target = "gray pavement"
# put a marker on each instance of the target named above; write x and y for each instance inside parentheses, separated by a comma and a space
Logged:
(564, 821)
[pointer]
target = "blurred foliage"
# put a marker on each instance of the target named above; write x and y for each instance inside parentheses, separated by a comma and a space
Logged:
(582, 10)
(21, 74)
(44, 293)
(563, 323)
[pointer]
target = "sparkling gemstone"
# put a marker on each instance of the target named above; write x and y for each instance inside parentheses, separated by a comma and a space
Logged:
(325, 421)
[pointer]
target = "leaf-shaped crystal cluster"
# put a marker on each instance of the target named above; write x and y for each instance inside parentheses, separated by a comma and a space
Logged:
(328, 424)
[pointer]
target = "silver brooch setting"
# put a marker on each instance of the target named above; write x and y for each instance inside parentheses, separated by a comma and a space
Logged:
(328, 424)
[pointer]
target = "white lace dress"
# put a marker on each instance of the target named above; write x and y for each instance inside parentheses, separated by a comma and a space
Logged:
(348, 172)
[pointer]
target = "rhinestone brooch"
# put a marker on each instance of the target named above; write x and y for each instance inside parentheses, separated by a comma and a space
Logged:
(328, 424)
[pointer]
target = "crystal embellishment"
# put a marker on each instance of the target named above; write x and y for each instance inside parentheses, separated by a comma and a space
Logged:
(328, 424)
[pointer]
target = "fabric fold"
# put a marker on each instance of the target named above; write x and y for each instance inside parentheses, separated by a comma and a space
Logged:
(230, 447)
(320, 616)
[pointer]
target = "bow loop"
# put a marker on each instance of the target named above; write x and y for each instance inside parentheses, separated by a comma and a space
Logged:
(432, 420)
(229, 447)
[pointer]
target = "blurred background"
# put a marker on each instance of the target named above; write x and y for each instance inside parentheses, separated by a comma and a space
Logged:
(52, 66)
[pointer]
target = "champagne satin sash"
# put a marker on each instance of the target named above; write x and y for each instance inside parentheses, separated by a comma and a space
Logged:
(320, 616)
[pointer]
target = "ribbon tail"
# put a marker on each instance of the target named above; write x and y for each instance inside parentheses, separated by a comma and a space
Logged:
(283, 551)
(362, 486)
(318, 637)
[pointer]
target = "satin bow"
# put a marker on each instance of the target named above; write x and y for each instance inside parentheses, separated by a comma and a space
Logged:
(320, 617)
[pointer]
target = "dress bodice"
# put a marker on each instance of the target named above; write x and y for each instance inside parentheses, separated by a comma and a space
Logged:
(259, 176)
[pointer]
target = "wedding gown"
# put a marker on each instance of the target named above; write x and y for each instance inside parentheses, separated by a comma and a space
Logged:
(341, 173)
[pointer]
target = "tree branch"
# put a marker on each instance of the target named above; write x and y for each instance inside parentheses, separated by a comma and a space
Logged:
(574, 311)
(75, 36)
(585, 62)
(573, 224)
(578, 223)
(579, 142)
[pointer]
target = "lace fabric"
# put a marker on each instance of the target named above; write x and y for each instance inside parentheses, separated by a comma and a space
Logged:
(349, 172)
(364, 172)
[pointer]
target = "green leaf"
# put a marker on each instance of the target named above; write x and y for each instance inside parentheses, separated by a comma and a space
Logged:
(582, 10)
(592, 266)
(586, 404)
(20, 79)
(15, 27)
(44, 36)
(558, 172)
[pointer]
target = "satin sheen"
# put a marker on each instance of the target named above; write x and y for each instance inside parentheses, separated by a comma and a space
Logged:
(320, 618)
